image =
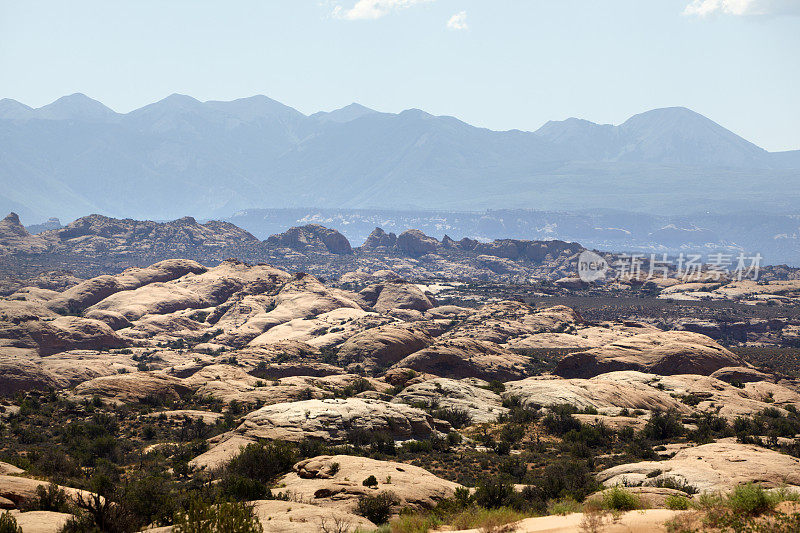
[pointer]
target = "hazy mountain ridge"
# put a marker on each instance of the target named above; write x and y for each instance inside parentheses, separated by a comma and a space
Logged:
(181, 156)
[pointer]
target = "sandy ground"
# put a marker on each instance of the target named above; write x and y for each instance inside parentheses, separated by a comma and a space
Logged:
(651, 520)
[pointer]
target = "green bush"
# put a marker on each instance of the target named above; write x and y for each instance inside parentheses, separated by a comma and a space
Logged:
(751, 499)
(669, 482)
(52, 498)
(458, 418)
(378, 508)
(619, 499)
(230, 517)
(8, 524)
(370, 482)
(248, 474)
(677, 503)
(494, 492)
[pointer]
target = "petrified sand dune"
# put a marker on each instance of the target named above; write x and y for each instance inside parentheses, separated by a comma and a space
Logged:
(665, 353)
(600, 393)
(718, 466)
(396, 295)
(466, 358)
(385, 345)
(464, 395)
(318, 481)
(332, 420)
(134, 387)
(92, 291)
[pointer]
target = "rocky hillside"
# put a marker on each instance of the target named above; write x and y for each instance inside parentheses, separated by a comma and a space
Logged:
(315, 402)
(96, 244)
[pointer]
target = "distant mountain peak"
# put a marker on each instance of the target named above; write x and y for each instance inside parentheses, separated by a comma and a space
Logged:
(345, 114)
(76, 106)
(11, 109)
(252, 107)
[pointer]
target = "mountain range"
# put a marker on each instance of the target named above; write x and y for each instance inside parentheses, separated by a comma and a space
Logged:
(180, 156)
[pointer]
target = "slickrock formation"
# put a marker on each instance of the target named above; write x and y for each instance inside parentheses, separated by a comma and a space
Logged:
(383, 346)
(315, 480)
(462, 357)
(665, 353)
(463, 395)
(333, 420)
(718, 466)
(134, 387)
(396, 295)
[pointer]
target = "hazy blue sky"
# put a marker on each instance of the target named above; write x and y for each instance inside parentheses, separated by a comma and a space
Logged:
(494, 63)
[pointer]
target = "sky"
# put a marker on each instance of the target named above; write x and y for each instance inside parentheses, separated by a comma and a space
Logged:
(500, 64)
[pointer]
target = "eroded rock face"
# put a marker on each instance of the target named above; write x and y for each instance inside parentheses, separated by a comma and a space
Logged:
(379, 240)
(317, 481)
(718, 466)
(665, 353)
(333, 420)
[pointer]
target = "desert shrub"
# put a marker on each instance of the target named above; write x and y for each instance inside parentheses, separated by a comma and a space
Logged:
(560, 421)
(669, 482)
(50, 498)
(8, 524)
(751, 499)
(152, 499)
(677, 503)
(566, 478)
(458, 418)
(515, 467)
(619, 499)
(663, 425)
(378, 508)
(494, 492)
(563, 506)
(486, 519)
(230, 517)
(248, 474)
(370, 482)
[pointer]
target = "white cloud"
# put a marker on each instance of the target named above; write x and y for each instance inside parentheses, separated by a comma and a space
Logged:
(458, 21)
(373, 9)
(704, 8)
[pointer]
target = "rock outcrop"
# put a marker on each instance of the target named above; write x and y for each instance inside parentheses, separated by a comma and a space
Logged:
(317, 481)
(312, 237)
(665, 353)
(718, 466)
(333, 420)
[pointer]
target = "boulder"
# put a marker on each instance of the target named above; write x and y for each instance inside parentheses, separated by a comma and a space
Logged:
(600, 393)
(72, 333)
(741, 374)
(41, 521)
(379, 240)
